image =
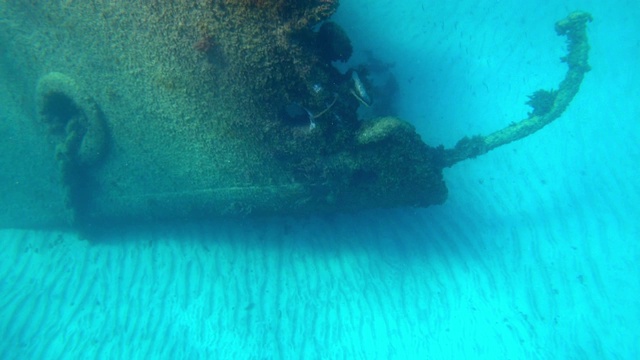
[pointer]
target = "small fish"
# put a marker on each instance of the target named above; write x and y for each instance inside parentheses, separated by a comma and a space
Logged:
(359, 91)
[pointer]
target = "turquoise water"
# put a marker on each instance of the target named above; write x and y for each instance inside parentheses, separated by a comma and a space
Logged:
(534, 255)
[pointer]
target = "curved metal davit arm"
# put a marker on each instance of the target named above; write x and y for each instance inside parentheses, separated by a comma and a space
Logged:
(547, 105)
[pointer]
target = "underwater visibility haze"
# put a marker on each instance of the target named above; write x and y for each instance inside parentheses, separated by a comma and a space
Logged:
(273, 179)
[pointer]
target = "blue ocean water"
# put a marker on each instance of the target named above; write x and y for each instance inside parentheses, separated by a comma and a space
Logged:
(534, 254)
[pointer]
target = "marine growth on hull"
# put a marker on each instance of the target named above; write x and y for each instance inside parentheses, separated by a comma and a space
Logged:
(180, 109)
